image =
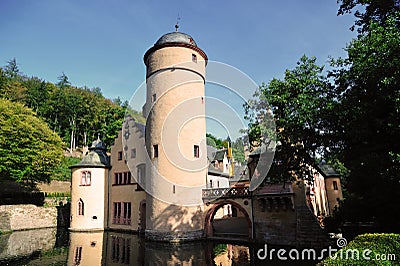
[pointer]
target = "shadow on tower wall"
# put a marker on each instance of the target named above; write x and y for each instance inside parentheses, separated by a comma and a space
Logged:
(173, 219)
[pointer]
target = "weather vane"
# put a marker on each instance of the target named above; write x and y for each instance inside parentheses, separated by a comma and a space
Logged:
(177, 23)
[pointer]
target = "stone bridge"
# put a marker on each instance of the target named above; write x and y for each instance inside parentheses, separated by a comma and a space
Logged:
(228, 213)
(274, 213)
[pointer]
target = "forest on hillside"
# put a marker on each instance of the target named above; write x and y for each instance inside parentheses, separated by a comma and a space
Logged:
(77, 115)
(42, 120)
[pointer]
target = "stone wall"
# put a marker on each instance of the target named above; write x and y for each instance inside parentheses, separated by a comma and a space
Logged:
(284, 221)
(23, 217)
(308, 230)
(276, 227)
(55, 186)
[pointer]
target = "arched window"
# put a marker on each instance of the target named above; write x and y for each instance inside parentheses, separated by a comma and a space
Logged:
(86, 178)
(81, 207)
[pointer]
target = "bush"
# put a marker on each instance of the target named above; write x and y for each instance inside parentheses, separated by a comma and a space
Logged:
(379, 244)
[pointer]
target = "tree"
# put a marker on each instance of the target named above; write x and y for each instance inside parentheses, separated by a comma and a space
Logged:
(216, 142)
(368, 119)
(63, 81)
(372, 10)
(300, 104)
(238, 150)
(76, 114)
(29, 150)
(11, 69)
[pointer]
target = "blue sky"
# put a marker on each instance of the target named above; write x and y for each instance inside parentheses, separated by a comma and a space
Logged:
(101, 43)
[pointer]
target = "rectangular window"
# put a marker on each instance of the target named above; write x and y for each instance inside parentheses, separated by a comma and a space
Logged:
(117, 213)
(120, 250)
(133, 153)
(124, 178)
(194, 58)
(119, 155)
(335, 185)
(153, 98)
(196, 151)
(119, 178)
(155, 151)
(88, 178)
(173, 189)
(129, 178)
(127, 213)
(83, 179)
(122, 213)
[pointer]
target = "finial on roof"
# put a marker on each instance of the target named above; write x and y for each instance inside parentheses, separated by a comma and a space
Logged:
(177, 23)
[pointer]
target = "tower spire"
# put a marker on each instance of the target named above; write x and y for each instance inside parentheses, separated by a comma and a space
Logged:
(177, 23)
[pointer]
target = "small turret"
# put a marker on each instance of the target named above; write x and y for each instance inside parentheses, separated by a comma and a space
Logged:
(332, 185)
(89, 189)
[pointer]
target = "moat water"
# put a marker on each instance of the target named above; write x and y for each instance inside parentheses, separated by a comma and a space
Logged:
(59, 247)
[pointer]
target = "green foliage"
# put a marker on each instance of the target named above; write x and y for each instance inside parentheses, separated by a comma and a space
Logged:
(11, 69)
(237, 146)
(56, 194)
(6, 232)
(238, 150)
(378, 244)
(78, 115)
(29, 150)
(300, 104)
(367, 85)
(138, 116)
(63, 81)
(369, 10)
(219, 249)
(216, 142)
(63, 173)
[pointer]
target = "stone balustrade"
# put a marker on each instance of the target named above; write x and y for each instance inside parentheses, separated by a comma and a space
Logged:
(234, 192)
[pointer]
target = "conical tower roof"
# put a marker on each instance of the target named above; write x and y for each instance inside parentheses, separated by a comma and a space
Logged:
(96, 157)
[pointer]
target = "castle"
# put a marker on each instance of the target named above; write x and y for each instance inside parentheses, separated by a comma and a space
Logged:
(161, 181)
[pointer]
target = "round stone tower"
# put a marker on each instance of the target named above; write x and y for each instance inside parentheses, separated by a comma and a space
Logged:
(89, 190)
(175, 138)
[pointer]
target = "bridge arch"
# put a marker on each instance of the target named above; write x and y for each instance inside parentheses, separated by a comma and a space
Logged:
(209, 218)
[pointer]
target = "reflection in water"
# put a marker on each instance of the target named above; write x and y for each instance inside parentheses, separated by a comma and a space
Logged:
(229, 254)
(50, 247)
(34, 247)
(86, 248)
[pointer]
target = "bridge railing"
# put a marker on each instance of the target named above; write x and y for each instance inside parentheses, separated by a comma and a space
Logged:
(234, 192)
